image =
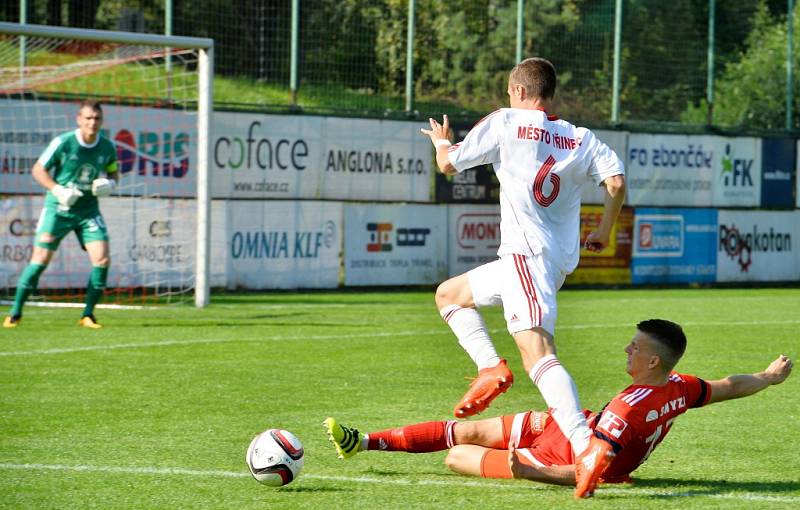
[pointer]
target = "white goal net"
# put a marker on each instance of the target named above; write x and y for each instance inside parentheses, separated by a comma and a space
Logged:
(154, 94)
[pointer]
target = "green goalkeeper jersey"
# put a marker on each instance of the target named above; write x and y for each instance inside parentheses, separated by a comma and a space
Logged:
(73, 163)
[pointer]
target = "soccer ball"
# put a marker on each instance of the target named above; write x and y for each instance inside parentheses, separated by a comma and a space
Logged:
(275, 457)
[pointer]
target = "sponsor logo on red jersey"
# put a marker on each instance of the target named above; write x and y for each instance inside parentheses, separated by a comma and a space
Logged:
(612, 424)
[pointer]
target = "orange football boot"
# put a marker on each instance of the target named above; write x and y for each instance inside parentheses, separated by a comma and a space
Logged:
(589, 466)
(490, 383)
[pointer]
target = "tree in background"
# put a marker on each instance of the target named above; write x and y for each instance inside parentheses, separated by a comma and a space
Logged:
(751, 93)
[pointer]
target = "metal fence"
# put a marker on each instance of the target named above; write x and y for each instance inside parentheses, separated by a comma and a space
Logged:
(682, 63)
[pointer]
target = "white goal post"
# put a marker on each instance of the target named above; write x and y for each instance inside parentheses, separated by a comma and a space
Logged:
(204, 48)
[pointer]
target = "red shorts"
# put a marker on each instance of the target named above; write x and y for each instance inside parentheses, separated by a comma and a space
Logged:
(538, 440)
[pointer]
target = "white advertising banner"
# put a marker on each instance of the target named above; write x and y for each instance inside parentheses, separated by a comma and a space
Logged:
(154, 241)
(283, 156)
(618, 141)
(156, 148)
(758, 246)
(283, 245)
(693, 170)
(69, 268)
(152, 244)
(473, 236)
(395, 244)
(18, 216)
(670, 170)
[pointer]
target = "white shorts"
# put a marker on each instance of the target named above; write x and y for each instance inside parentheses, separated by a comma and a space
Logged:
(526, 286)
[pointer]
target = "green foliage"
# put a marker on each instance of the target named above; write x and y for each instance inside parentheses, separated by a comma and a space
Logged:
(751, 93)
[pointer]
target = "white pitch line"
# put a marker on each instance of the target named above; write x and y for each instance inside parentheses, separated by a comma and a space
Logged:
(630, 491)
(378, 334)
(166, 343)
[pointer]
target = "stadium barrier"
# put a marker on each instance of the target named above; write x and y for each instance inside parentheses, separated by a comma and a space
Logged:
(681, 223)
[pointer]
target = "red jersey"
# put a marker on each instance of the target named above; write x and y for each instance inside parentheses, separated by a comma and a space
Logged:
(634, 422)
(638, 418)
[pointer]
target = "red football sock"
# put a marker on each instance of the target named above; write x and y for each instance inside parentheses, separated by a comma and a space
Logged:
(432, 436)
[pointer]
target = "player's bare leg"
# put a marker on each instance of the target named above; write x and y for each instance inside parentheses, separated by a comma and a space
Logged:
(455, 302)
(555, 384)
(466, 459)
(99, 257)
(472, 439)
(28, 281)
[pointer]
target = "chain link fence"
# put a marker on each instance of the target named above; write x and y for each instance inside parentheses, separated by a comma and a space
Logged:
(687, 64)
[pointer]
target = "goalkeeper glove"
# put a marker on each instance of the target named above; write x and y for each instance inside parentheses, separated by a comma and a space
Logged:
(66, 196)
(103, 187)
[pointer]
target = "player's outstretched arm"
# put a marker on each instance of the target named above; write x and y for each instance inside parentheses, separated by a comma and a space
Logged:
(742, 385)
(557, 475)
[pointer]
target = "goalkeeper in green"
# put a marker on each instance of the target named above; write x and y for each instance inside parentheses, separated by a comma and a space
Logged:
(83, 164)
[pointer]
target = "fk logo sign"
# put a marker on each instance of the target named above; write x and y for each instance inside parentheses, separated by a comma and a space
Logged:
(736, 171)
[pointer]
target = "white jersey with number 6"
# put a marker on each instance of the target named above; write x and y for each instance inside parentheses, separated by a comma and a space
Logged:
(541, 162)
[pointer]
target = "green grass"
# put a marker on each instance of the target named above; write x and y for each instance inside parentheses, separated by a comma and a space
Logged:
(145, 82)
(157, 409)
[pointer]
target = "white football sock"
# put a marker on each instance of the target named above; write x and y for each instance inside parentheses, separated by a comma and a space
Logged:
(561, 395)
(469, 328)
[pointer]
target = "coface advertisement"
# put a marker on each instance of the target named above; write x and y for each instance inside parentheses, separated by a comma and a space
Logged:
(612, 265)
(474, 236)
(395, 244)
(674, 246)
(283, 156)
(283, 244)
(156, 148)
(778, 172)
(758, 246)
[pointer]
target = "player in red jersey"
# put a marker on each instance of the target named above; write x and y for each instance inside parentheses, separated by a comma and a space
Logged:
(530, 445)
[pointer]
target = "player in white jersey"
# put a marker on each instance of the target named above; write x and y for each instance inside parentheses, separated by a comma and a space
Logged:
(541, 163)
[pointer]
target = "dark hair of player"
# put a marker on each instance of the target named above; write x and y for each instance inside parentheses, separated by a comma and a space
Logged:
(90, 103)
(669, 337)
(537, 75)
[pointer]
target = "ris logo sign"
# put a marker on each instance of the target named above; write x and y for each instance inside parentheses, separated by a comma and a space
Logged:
(158, 154)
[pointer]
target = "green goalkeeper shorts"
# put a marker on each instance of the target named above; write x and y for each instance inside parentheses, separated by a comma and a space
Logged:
(88, 225)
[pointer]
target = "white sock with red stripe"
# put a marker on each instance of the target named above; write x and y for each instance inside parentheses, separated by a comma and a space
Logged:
(469, 328)
(561, 396)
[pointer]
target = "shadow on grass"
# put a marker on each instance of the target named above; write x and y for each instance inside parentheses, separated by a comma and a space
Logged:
(309, 490)
(243, 324)
(708, 487)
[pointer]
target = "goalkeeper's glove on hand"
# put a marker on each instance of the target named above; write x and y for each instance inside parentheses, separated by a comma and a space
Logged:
(66, 196)
(103, 187)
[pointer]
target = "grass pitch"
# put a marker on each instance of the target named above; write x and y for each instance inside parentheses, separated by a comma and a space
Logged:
(157, 409)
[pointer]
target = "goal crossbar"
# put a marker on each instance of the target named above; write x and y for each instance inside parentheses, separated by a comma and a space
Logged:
(90, 34)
